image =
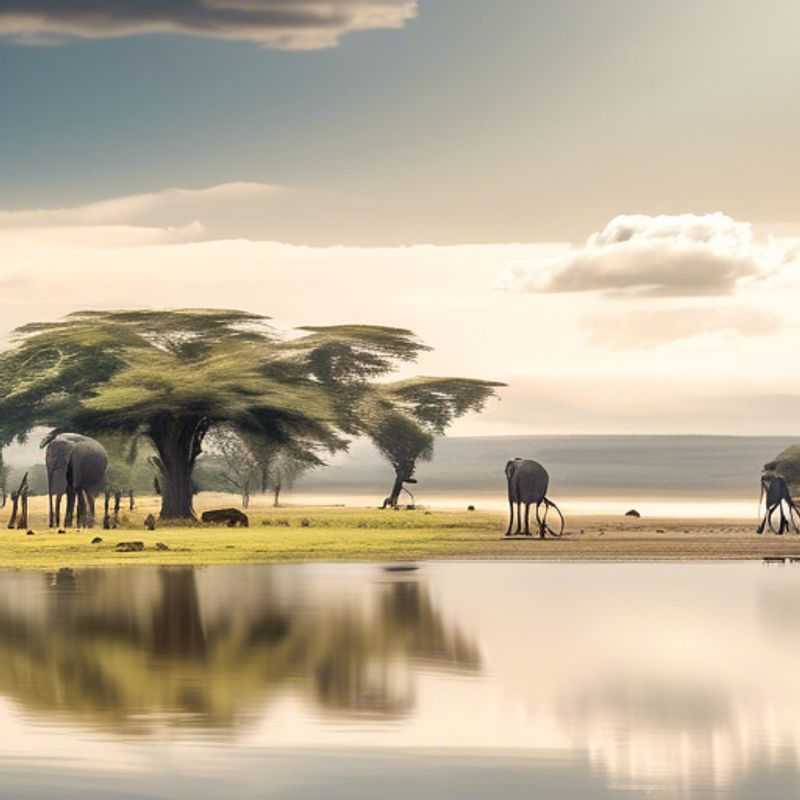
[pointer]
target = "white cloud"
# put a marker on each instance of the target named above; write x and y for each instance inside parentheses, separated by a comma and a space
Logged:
(681, 255)
(285, 24)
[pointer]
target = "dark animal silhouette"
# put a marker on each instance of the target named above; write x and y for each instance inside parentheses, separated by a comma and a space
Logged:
(19, 505)
(229, 516)
(775, 491)
(527, 484)
(150, 522)
(76, 466)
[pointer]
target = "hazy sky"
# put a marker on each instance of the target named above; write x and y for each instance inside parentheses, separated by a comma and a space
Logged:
(597, 202)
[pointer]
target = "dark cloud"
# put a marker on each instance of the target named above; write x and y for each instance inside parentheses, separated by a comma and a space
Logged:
(682, 255)
(287, 24)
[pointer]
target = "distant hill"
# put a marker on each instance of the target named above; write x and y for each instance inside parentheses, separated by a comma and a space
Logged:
(578, 465)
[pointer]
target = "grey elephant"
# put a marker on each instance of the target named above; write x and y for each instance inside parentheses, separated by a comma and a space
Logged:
(778, 496)
(76, 466)
(528, 482)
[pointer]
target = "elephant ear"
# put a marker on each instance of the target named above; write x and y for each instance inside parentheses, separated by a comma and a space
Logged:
(510, 468)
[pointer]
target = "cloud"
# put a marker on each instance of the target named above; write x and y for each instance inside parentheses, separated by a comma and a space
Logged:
(284, 24)
(648, 327)
(166, 207)
(681, 255)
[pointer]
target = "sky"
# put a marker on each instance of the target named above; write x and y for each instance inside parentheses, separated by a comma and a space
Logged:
(596, 203)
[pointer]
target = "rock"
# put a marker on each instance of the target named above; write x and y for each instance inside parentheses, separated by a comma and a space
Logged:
(470, 508)
(130, 547)
(97, 540)
(633, 513)
(30, 533)
(61, 530)
(228, 516)
(161, 546)
(150, 522)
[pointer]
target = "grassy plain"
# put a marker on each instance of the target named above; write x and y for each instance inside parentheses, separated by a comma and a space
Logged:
(294, 534)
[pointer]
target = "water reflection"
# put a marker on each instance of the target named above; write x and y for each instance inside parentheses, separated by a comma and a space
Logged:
(566, 680)
(115, 646)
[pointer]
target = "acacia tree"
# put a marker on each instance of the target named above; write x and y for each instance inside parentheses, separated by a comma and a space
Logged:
(171, 376)
(403, 418)
(402, 442)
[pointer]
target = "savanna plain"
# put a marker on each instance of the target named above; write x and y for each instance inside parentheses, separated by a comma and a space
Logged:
(327, 533)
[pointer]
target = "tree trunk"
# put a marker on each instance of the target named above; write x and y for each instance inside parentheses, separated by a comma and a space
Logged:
(394, 496)
(264, 479)
(178, 441)
(277, 494)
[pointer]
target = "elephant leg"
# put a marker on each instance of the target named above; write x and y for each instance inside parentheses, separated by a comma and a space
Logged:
(49, 510)
(81, 508)
(527, 519)
(770, 523)
(539, 521)
(90, 507)
(519, 517)
(70, 512)
(58, 510)
(510, 516)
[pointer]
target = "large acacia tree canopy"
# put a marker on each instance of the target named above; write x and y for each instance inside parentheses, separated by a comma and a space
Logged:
(128, 371)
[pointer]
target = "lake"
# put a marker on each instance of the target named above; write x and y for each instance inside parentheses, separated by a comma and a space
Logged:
(467, 680)
(663, 476)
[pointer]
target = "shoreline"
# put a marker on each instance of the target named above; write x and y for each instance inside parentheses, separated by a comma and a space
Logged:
(302, 534)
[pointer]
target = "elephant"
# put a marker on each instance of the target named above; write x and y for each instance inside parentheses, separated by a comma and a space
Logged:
(76, 466)
(775, 490)
(527, 483)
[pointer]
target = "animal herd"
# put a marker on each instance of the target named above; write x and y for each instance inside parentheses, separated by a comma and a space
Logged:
(77, 465)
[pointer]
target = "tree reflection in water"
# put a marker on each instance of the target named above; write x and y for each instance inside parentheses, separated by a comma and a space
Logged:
(211, 648)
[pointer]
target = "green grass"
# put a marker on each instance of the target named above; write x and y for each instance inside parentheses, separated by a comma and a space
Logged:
(274, 535)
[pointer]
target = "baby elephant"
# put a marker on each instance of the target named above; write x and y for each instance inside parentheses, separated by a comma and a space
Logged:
(229, 516)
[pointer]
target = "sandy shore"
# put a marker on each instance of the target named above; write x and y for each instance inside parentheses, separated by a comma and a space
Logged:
(610, 538)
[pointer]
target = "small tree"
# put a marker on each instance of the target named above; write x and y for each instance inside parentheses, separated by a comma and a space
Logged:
(287, 465)
(403, 417)
(239, 468)
(402, 442)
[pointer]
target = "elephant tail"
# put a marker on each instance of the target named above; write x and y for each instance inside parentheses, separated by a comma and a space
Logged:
(550, 504)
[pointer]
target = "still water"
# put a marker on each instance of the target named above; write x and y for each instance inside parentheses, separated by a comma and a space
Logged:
(468, 680)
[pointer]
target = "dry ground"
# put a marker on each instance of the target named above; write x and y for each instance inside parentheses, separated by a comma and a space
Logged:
(331, 533)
